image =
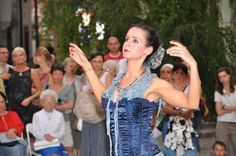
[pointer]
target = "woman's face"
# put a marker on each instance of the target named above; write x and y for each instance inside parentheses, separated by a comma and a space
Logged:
(39, 59)
(179, 75)
(19, 57)
(71, 67)
(48, 103)
(57, 76)
(166, 74)
(224, 78)
(97, 63)
(135, 43)
(2, 104)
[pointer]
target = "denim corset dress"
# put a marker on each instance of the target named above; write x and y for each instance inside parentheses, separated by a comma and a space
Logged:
(129, 119)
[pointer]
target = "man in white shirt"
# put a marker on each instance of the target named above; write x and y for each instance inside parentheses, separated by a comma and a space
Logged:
(4, 55)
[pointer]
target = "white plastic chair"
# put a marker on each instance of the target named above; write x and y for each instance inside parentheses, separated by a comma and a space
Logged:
(30, 151)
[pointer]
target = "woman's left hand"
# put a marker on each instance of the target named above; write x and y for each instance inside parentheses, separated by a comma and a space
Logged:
(181, 51)
(11, 134)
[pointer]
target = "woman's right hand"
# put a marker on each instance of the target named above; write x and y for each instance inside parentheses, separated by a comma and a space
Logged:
(78, 55)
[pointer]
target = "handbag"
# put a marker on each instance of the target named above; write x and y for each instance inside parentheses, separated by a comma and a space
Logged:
(86, 108)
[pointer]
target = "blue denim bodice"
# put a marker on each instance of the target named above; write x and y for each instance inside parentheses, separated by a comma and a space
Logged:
(129, 119)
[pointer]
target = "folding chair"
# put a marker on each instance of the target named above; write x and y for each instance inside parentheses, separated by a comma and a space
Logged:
(30, 151)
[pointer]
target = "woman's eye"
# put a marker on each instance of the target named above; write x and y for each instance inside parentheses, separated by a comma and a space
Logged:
(135, 41)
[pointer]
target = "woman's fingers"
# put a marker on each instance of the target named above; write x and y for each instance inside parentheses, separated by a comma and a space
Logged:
(74, 48)
(77, 54)
(177, 43)
(179, 50)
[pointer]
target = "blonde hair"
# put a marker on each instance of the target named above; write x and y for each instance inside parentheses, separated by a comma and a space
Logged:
(42, 51)
(17, 49)
(69, 60)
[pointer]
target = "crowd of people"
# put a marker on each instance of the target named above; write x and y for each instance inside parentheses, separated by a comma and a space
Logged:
(123, 101)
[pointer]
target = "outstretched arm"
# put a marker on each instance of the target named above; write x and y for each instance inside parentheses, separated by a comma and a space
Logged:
(77, 54)
(166, 91)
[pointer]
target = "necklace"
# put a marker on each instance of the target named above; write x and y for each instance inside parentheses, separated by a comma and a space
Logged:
(119, 89)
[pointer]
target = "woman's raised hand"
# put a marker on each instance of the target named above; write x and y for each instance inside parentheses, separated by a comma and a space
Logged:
(77, 54)
(181, 51)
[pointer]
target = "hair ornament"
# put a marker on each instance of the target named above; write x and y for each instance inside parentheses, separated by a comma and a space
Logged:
(155, 59)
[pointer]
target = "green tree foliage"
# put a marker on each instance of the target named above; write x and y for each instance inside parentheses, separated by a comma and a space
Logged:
(194, 23)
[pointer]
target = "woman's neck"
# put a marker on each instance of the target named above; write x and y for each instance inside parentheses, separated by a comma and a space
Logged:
(69, 78)
(69, 75)
(48, 110)
(44, 68)
(20, 67)
(57, 85)
(134, 69)
(179, 85)
(227, 87)
(98, 72)
(3, 112)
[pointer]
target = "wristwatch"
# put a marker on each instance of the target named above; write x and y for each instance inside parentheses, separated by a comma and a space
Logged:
(223, 107)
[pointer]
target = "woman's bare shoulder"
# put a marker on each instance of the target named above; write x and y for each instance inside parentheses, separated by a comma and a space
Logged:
(159, 83)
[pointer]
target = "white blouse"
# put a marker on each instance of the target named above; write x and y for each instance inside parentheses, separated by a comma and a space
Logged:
(228, 101)
(48, 123)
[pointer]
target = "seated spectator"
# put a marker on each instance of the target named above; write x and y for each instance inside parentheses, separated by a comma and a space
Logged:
(219, 149)
(11, 128)
(48, 123)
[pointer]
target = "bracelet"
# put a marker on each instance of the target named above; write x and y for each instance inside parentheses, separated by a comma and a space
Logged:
(89, 69)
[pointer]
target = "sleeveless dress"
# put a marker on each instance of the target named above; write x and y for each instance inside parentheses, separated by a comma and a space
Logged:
(129, 119)
(18, 88)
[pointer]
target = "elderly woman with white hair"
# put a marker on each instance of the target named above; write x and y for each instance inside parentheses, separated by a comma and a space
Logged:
(18, 82)
(48, 123)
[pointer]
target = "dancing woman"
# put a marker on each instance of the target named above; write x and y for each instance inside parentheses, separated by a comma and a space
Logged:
(131, 99)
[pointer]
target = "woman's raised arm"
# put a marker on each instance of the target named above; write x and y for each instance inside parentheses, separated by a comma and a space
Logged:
(77, 54)
(169, 93)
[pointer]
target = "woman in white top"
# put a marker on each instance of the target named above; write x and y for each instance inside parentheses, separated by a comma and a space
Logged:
(225, 103)
(94, 141)
(48, 123)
